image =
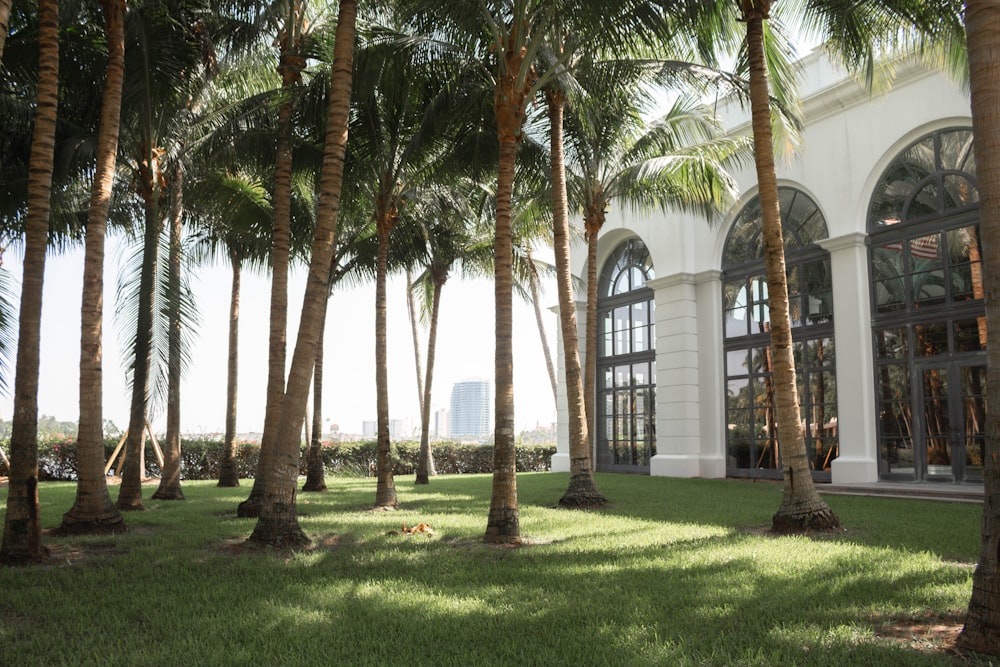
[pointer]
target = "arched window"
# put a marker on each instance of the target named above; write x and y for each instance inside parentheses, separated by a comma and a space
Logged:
(928, 313)
(751, 433)
(626, 381)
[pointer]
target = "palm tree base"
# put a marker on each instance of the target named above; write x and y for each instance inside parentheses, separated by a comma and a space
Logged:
(979, 636)
(789, 520)
(422, 478)
(314, 485)
(583, 500)
(279, 536)
(249, 508)
(83, 523)
(228, 483)
(503, 526)
(169, 494)
(130, 505)
(27, 557)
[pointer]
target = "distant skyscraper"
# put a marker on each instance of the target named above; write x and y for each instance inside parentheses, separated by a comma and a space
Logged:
(470, 409)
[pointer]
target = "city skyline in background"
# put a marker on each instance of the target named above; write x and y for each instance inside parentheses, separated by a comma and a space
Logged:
(465, 349)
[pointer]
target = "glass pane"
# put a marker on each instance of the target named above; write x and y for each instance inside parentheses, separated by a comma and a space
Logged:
(736, 362)
(974, 420)
(970, 335)
(623, 376)
(640, 342)
(607, 378)
(640, 374)
(623, 343)
(642, 405)
(931, 339)
(891, 343)
(739, 438)
(640, 313)
(928, 288)
(936, 422)
(925, 203)
(734, 294)
(736, 322)
(738, 393)
(925, 252)
(959, 192)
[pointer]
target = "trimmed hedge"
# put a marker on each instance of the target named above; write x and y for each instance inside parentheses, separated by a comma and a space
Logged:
(200, 458)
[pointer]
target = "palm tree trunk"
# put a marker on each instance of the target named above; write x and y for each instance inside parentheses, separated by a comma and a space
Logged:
(22, 533)
(533, 281)
(982, 25)
(425, 459)
(385, 491)
(411, 310)
(503, 524)
(289, 65)
(4, 23)
(595, 219)
(582, 491)
(801, 507)
(278, 524)
(229, 475)
(315, 475)
(92, 510)
(130, 491)
(170, 476)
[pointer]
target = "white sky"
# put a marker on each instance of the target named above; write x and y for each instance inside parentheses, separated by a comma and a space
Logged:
(465, 349)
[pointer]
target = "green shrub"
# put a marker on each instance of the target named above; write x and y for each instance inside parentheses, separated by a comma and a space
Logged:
(200, 458)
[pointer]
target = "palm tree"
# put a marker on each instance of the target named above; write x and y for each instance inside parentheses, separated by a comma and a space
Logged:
(397, 133)
(4, 23)
(802, 508)
(278, 523)
(516, 35)
(93, 510)
(982, 28)
(453, 237)
(292, 38)
(159, 91)
(170, 477)
(22, 535)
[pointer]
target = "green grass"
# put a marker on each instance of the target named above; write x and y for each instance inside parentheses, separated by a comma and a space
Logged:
(675, 572)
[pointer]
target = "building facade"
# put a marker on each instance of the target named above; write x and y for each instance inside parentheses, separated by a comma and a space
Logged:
(880, 215)
(470, 411)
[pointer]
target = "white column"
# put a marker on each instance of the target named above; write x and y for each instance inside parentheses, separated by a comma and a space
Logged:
(856, 418)
(711, 371)
(677, 377)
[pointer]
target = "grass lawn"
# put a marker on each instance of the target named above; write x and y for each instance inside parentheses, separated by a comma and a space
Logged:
(675, 572)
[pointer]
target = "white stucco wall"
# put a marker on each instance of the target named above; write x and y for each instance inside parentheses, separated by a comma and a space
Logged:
(849, 138)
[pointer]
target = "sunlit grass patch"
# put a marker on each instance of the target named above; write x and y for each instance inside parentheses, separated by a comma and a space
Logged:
(673, 572)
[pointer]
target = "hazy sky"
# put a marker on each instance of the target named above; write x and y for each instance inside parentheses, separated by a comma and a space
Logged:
(465, 349)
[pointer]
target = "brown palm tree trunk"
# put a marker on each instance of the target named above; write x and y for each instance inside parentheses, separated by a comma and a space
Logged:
(385, 491)
(170, 476)
(229, 475)
(315, 474)
(982, 26)
(801, 507)
(411, 311)
(593, 224)
(22, 531)
(582, 491)
(92, 510)
(133, 470)
(278, 523)
(425, 459)
(290, 67)
(4, 23)
(503, 524)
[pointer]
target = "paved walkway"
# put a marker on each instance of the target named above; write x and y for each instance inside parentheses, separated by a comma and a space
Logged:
(941, 491)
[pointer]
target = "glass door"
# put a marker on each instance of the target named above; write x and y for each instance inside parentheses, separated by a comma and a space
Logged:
(952, 409)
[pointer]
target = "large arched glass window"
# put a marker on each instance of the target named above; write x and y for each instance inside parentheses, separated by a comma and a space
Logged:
(928, 313)
(626, 375)
(751, 433)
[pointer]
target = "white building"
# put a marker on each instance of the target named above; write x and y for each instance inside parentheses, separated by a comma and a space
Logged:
(880, 213)
(471, 409)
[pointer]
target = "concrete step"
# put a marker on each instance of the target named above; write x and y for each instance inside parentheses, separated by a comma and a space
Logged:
(943, 492)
